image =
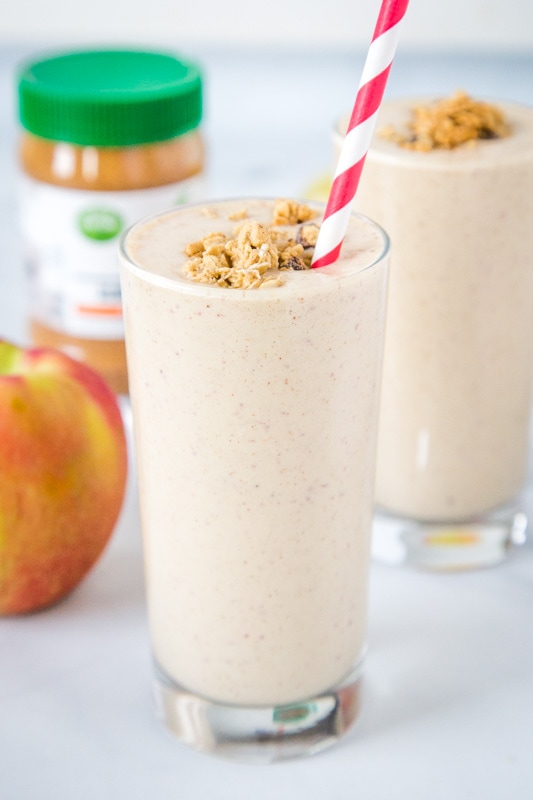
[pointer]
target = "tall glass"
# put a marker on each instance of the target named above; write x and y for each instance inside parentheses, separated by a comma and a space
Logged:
(255, 418)
(458, 363)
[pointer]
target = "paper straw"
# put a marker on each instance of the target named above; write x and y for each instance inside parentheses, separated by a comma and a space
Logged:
(359, 133)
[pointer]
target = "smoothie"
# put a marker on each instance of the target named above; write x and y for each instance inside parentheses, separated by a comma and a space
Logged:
(255, 416)
(458, 361)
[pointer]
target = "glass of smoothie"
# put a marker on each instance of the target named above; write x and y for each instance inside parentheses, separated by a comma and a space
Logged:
(254, 384)
(452, 182)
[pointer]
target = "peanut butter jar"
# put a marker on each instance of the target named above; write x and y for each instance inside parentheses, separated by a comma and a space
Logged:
(108, 137)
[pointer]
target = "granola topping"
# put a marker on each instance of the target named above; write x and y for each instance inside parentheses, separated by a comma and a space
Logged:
(256, 253)
(449, 123)
(307, 235)
(290, 212)
(242, 214)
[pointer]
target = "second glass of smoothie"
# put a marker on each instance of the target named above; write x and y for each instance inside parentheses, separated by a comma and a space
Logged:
(455, 195)
(255, 392)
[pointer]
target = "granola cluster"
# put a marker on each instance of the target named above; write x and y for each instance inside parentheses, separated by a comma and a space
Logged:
(255, 253)
(449, 123)
(290, 212)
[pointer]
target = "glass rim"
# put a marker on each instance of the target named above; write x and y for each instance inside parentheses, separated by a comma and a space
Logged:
(193, 287)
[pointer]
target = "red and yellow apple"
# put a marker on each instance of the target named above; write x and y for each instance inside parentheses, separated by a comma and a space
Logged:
(63, 469)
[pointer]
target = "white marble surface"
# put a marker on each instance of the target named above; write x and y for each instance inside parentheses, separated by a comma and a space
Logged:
(449, 685)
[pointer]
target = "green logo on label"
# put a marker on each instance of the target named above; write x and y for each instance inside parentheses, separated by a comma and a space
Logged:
(100, 224)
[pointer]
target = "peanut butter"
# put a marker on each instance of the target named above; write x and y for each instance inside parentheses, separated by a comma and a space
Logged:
(109, 137)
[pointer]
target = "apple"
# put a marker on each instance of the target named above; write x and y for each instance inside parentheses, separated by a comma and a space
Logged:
(63, 470)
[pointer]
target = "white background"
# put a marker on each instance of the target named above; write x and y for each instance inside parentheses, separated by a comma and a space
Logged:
(474, 24)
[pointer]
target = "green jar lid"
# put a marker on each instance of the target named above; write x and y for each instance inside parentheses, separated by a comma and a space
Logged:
(110, 97)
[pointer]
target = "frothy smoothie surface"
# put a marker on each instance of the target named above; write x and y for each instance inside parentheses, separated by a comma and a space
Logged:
(256, 417)
(159, 247)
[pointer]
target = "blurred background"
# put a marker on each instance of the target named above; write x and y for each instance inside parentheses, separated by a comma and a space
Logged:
(276, 77)
(471, 24)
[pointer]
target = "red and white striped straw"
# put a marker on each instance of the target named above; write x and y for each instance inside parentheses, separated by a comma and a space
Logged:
(359, 133)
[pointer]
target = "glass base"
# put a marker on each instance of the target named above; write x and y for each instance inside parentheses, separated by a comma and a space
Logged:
(261, 734)
(442, 546)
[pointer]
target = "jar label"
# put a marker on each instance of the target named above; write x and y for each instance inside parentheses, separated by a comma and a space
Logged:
(70, 238)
